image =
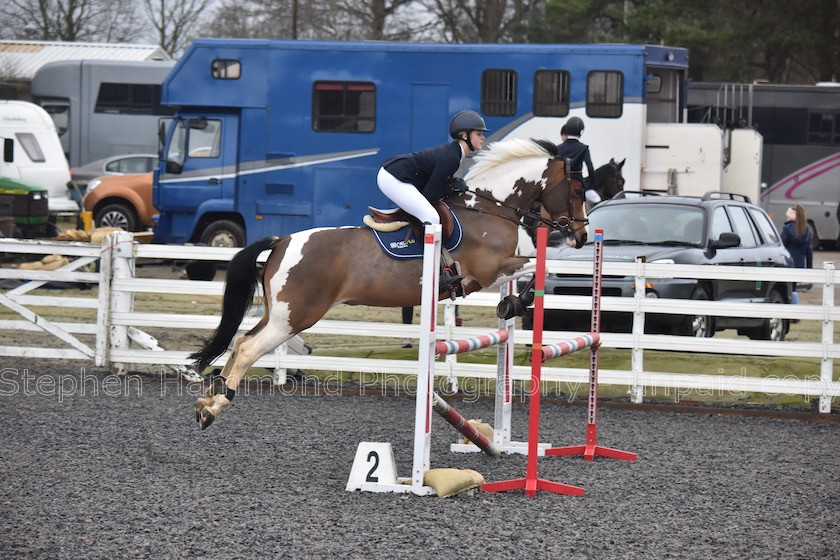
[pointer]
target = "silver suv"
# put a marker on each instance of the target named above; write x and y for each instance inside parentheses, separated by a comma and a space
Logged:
(717, 229)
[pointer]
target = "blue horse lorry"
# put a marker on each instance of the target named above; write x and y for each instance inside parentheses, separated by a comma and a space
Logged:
(271, 137)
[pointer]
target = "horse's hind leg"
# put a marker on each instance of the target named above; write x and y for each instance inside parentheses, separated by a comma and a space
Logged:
(246, 350)
(217, 382)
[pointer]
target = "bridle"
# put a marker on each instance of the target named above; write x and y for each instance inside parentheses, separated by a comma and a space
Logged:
(563, 224)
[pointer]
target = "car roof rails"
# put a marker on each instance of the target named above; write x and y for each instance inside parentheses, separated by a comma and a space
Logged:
(623, 194)
(724, 195)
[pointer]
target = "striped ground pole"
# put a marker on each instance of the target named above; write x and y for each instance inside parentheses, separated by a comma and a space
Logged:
(445, 347)
(550, 351)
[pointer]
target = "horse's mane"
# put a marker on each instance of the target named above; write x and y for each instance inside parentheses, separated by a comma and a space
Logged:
(498, 153)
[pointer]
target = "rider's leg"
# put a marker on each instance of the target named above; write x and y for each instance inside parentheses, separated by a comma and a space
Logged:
(407, 197)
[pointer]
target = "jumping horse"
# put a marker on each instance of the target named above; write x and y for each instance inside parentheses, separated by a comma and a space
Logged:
(309, 272)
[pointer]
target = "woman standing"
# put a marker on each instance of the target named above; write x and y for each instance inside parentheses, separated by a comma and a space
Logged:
(796, 237)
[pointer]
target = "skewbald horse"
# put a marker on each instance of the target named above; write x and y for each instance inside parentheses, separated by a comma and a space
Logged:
(309, 272)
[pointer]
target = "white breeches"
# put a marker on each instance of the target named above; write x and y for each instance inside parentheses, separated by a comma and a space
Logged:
(592, 196)
(407, 197)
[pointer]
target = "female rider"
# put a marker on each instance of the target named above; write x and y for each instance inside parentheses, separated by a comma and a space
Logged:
(412, 181)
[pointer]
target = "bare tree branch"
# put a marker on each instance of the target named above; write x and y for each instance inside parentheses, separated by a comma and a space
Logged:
(173, 20)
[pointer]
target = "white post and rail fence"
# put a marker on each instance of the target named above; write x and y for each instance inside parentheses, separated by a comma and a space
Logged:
(111, 333)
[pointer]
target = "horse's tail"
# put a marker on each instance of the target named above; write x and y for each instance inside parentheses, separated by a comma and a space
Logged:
(240, 285)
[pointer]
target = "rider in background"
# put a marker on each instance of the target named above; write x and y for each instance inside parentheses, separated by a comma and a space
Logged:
(412, 181)
(578, 152)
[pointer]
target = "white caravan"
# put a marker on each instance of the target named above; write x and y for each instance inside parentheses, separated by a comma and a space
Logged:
(38, 158)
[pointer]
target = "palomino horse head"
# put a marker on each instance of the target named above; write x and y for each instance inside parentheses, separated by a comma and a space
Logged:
(607, 179)
(536, 177)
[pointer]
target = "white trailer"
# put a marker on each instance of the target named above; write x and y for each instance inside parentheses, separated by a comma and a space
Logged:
(37, 157)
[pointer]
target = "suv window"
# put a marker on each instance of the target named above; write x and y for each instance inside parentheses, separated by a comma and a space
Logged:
(744, 227)
(649, 223)
(720, 223)
(765, 225)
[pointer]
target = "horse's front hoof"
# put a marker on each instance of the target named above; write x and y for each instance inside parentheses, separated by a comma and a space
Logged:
(205, 418)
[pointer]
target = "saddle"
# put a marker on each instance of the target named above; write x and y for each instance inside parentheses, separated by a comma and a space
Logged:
(397, 218)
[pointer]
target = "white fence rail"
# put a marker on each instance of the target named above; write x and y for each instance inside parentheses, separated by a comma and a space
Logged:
(115, 337)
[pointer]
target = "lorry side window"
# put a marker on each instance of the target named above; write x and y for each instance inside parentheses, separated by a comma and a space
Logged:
(177, 145)
(60, 115)
(31, 146)
(604, 94)
(222, 69)
(206, 141)
(130, 99)
(551, 93)
(823, 128)
(498, 92)
(344, 106)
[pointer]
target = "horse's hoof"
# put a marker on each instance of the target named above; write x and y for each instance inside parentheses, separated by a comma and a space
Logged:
(206, 418)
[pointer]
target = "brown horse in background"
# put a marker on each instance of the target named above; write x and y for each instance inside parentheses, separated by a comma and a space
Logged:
(309, 272)
(607, 180)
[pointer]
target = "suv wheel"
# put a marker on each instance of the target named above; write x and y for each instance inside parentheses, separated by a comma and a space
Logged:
(700, 326)
(116, 214)
(773, 328)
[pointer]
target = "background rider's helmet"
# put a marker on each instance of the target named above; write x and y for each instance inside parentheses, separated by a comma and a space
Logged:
(573, 127)
(466, 121)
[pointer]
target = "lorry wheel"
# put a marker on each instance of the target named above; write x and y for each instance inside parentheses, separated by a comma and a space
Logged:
(223, 233)
(116, 214)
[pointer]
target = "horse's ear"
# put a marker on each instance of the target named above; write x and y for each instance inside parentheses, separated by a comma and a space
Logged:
(620, 165)
(612, 161)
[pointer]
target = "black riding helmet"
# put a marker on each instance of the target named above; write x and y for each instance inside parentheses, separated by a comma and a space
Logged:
(573, 127)
(466, 121)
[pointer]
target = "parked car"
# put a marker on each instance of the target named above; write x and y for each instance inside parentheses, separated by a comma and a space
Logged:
(121, 201)
(114, 165)
(717, 229)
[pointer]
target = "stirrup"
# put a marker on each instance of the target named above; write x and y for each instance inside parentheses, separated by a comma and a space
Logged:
(450, 279)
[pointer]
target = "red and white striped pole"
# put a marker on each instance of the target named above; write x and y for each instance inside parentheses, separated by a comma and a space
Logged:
(591, 449)
(531, 483)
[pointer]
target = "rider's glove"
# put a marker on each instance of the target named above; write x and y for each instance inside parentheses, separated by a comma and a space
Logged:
(458, 185)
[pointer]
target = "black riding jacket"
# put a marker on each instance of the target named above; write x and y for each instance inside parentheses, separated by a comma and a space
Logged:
(578, 152)
(430, 170)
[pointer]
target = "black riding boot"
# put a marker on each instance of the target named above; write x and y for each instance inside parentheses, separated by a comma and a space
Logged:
(450, 275)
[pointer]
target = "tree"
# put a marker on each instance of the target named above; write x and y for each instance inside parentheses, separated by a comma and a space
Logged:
(70, 20)
(741, 41)
(484, 21)
(175, 21)
(349, 20)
